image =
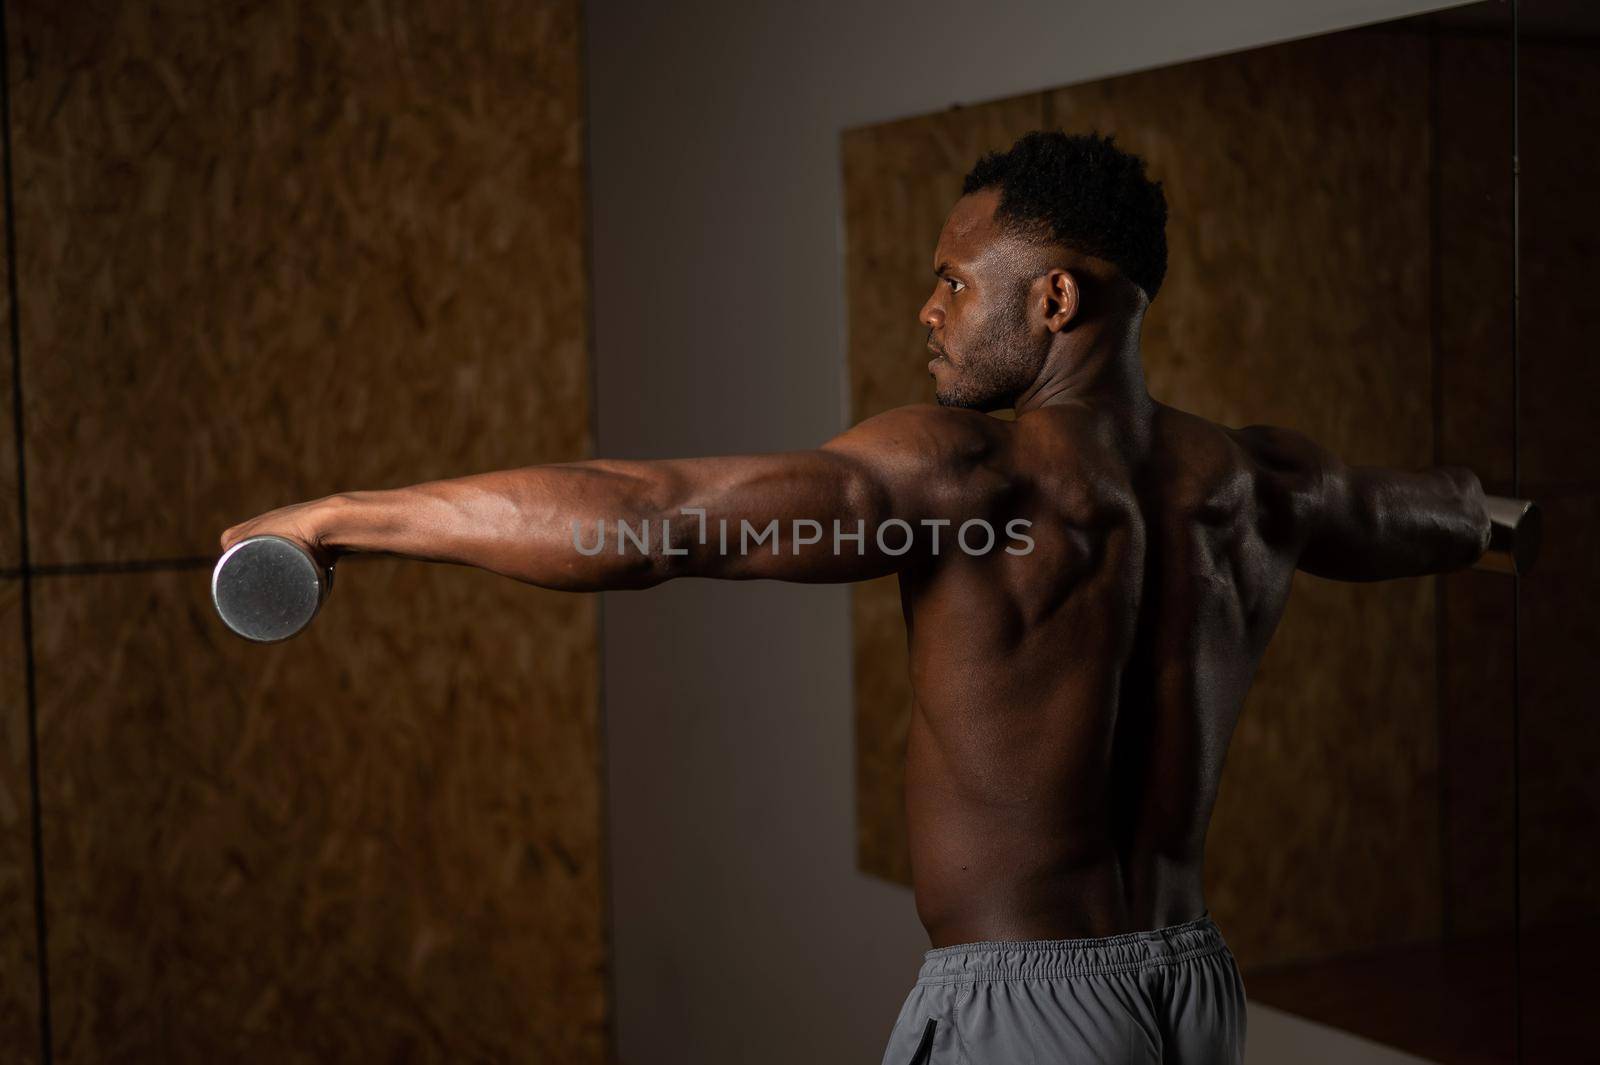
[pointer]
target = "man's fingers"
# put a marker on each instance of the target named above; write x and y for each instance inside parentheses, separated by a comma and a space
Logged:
(298, 523)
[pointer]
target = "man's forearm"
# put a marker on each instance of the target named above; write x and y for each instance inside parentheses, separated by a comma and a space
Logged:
(1432, 520)
(1378, 523)
(518, 523)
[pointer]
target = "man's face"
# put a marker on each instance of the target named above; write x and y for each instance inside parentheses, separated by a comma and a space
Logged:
(986, 351)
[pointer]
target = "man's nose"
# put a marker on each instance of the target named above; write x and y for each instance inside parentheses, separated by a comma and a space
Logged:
(931, 315)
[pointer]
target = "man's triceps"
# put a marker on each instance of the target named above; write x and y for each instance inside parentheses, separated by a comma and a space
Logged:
(865, 504)
(801, 516)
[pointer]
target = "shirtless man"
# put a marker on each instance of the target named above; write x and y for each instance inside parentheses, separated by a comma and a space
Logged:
(1076, 684)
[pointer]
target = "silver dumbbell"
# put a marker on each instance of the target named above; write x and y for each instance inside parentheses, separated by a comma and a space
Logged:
(267, 588)
(1516, 527)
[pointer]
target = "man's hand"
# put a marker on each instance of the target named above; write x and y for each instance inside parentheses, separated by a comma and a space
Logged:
(303, 523)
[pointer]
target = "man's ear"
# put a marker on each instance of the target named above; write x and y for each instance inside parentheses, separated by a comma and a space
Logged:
(1062, 298)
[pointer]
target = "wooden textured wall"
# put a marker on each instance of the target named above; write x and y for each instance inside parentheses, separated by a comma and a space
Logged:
(265, 253)
(1472, 255)
(19, 991)
(19, 959)
(10, 508)
(1559, 115)
(1298, 293)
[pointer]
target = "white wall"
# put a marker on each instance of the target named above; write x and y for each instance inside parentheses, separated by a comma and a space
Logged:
(1276, 1037)
(742, 931)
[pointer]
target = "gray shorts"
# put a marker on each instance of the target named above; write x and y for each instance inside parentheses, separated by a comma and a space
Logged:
(1171, 995)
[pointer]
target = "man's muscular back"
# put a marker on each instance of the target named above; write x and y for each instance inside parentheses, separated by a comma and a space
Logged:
(1073, 705)
(1073, 702)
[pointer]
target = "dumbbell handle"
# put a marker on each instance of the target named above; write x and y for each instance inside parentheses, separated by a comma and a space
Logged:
(1515, 528)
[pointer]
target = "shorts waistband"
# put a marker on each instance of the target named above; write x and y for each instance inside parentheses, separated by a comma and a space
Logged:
(1038, 958)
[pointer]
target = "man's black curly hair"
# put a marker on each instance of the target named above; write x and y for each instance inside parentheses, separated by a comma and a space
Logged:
(1081, 191)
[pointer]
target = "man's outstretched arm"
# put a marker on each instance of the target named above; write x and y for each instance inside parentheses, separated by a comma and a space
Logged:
(888, 473)
(1367, 523)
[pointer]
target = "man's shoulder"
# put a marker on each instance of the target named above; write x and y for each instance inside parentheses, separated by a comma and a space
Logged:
(927, 432)
(1287, 468)
(1275, 470)
(1283, 456)
(1265, 449)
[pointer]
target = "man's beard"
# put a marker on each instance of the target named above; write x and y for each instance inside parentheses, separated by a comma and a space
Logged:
(994, 369)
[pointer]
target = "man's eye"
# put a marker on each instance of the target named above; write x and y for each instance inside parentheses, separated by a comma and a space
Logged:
(953, 283)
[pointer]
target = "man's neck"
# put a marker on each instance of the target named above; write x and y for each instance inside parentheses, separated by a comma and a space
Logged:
(1103, 369)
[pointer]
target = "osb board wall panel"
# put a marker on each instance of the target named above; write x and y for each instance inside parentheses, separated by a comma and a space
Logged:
(1297, 294)
(1559, 131)
(10, 504)
(1472, 262)
(378, 841)
(1560, 799)
(1474, 252)
(19, 959)
(1558, 383)
(1558, 232)
(899, 182)
(272, 251)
